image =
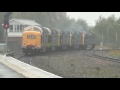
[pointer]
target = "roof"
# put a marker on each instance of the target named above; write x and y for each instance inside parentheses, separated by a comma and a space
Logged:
(25, 22)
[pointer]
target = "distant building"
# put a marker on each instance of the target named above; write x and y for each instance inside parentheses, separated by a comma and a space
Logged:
(16, 26)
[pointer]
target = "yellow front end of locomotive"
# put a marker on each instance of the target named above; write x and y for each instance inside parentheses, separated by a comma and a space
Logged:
(31, 38)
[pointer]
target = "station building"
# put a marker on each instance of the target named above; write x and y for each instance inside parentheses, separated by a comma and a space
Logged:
(16, 27)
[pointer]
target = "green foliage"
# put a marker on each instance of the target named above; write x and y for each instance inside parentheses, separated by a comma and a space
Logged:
(51, 19)
(1, 27)
(107, 30)
(80, 24)
(47, 19)
(83, 24)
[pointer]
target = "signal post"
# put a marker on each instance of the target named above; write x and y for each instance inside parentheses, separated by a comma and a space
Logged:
(6, 26)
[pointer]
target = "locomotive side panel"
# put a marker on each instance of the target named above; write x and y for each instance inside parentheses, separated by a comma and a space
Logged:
(65, 40)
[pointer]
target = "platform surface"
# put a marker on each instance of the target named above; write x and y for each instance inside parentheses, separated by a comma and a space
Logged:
(6, 72)
(11, 67)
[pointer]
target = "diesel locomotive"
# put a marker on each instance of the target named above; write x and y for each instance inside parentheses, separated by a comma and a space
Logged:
(37, 39)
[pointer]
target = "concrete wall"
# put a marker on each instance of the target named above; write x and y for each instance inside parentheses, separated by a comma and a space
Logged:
(14, 45)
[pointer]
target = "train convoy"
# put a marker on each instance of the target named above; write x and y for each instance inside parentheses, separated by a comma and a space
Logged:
(37, 39)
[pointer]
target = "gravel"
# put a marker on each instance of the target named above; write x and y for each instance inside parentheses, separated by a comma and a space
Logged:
(73, 64)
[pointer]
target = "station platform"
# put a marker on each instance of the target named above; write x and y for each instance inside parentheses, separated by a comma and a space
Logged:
(13, 68)
(6, 72)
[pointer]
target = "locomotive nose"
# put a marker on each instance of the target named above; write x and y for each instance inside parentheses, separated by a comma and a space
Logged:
(30, 45)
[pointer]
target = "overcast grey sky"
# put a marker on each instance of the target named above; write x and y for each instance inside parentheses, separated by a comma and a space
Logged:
(90, 17)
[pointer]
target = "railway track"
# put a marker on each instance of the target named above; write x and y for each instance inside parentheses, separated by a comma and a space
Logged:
(29, 58)
(26, 59)
(92, 53)
(70, 60)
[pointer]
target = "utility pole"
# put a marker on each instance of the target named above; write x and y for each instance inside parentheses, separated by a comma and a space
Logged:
(116, 39)
(102, 37)
(101, 43)
(6, 35)
(107, 36)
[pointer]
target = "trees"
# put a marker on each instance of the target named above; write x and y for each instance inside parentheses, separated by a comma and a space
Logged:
(107, 30)
(80, 24)
(1, 27)
(48, 19)
(83, 24)
(52, 19)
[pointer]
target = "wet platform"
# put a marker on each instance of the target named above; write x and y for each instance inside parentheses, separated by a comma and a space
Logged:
(6, 72)
(13, 68)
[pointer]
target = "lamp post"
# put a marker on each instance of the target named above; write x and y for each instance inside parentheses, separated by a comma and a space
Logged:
(116, 39)
(6, 34)
(108, 36)
(102, 37)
